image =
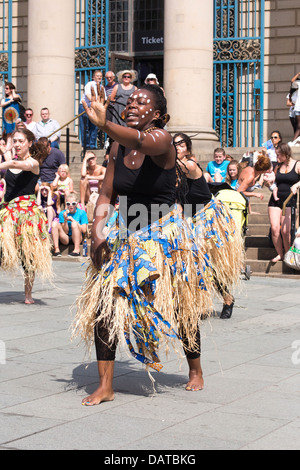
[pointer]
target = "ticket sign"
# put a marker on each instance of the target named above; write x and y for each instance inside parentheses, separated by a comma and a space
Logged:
(150, 41)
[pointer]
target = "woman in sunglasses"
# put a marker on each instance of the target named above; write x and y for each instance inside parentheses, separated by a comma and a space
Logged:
(121, 93)
(71, 226)
(24, 237)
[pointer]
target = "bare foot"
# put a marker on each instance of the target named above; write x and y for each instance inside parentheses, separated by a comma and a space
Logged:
(196, 382)
(99, 396)
(276, 259)
(29, 301)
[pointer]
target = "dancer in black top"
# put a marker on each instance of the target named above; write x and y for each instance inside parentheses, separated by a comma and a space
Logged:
(24, 238)
(137, 283)
(211, 220)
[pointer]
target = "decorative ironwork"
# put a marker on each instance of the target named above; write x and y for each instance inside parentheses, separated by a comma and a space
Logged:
(4, 64)
(91, 46)
(237, 50)
(89, 58)
(238, 55)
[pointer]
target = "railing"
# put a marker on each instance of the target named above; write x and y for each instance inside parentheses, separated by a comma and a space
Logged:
(5, 44)
(91, 43)
(239, 72)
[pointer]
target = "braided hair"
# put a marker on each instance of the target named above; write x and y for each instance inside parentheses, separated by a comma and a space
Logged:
(160, 104)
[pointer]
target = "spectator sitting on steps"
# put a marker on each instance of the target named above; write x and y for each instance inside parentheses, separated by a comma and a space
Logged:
(92, 176)
(72, 226)
(216, 170)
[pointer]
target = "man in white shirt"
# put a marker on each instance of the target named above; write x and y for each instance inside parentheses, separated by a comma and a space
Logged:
(29, 123)
(88, 131)
(46, 127)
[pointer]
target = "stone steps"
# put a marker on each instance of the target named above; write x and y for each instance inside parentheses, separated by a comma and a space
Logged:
(259, 251)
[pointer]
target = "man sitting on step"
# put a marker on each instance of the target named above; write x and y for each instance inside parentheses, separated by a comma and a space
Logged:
(71, 227)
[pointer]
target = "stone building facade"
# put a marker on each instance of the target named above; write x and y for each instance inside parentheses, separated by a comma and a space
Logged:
(43, 55)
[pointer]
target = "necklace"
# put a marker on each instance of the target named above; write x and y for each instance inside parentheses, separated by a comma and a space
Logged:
(150, 129)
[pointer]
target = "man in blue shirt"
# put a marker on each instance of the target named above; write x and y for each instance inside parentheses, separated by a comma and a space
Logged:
(72, 225)
(217, 169)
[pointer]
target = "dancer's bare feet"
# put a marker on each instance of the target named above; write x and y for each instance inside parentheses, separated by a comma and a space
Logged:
(29, 301)
(99, 396)
(196, 381)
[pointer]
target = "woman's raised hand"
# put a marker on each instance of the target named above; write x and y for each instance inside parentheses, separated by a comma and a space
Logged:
(97, 111)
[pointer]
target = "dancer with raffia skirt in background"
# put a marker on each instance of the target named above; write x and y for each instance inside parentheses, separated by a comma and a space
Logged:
(24, 237)
(213, 226)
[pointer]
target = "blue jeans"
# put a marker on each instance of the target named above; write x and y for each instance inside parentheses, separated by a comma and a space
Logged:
(87, 129)
(55, 144)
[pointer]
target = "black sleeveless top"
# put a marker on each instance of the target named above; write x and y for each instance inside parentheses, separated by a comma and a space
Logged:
(199, 193)
(148, 186)
(284, 182)
(20, 184)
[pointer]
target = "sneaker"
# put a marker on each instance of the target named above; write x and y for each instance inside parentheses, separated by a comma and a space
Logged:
(74, 254)
(56, 254)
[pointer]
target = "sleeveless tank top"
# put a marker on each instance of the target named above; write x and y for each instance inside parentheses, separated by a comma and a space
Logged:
(20, 184)
(284, 182)
(199, 193)
(148, 185)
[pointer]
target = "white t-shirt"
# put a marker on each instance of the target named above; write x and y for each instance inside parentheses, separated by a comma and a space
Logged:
(297, 98)
(293, 99)
(88, 91)
(31, 126)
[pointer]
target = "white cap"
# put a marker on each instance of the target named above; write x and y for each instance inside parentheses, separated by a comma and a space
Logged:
(153, 76)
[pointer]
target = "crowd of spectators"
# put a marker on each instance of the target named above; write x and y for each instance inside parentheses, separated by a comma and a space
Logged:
(69, 213)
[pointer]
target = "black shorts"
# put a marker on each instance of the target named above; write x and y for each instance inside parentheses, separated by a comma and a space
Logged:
(279, 204)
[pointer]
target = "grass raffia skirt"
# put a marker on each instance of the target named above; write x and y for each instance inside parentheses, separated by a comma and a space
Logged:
(24, 238)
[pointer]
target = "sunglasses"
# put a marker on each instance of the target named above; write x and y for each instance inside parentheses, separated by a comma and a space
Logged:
(71, 204)
(28, 115)
(274, 137)
(126, 76)
(179, 142)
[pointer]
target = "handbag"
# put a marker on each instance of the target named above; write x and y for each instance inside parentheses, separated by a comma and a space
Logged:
(292, 258)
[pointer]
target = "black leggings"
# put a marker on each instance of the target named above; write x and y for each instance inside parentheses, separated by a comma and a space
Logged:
(106, 352)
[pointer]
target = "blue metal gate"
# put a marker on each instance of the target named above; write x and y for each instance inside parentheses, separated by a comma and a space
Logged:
(91, 42)
(239, 72)
(5, 43)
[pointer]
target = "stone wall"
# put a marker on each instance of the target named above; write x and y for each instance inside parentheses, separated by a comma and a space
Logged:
(282, 62)
(282, 59)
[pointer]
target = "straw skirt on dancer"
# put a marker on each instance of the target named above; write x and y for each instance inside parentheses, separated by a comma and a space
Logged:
(24, 238)
(154, 287)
